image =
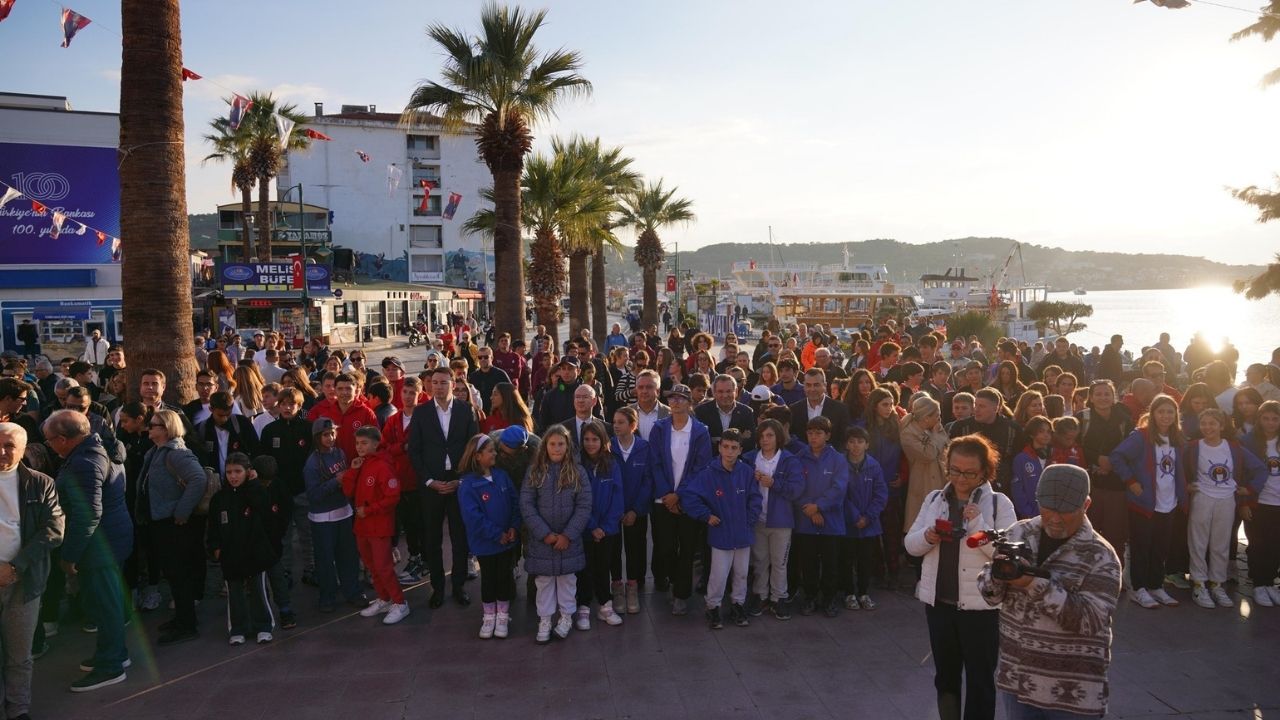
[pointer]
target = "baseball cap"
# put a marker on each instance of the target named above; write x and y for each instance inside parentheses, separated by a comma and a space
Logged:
(321, 425)
(392, 360)
(761, 393)
(514, 436)
(1063, 488)
(680, 391)
(568, 360)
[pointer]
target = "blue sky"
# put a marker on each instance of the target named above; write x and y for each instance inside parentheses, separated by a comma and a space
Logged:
(1085, 124)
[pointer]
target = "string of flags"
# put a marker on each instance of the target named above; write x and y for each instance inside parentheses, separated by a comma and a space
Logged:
(59, 219)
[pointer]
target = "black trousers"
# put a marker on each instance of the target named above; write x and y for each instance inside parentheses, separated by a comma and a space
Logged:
(437, 508)
(593, 581)
(964, 643)
(1179, 560)
(675, 540)
(177, 544)
(1148, 548)
(496, 582)
(409, 516)
(1264, 544)
(635, 544)
(817, 559)
(857, 558)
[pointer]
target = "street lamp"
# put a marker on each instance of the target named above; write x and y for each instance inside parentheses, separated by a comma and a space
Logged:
(302, 247)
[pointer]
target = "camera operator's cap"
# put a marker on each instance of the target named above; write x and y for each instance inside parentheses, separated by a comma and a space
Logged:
(514, 437)
(679, 391)
(761, 393)
(1063, 488)
(321, 425)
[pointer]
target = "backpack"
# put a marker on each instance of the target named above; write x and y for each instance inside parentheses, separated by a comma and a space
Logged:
(213, 483)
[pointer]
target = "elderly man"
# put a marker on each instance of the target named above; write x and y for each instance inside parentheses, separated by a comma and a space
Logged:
(99, 536)
(647, 406)
(31, 525)
(1055, 626)
(585, 409)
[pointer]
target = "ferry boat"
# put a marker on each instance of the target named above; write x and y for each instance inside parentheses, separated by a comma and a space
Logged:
(949, 292)
(763, 281)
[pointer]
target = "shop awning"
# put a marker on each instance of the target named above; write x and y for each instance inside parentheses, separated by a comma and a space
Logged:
(467, 295)
(71, 312)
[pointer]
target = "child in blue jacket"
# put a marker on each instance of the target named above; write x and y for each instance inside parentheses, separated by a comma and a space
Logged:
(727, 498)
(777, 472)
(863, 502)
(601, 537)
(1028, 464)
(631, 453)
(490, 510)
(819, 519)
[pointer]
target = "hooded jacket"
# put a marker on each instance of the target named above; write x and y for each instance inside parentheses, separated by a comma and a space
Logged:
(98, 531)
(323, 474)
(733, 496)
(788, 481)
(550, 509)
(490, 507)
(1027, 467)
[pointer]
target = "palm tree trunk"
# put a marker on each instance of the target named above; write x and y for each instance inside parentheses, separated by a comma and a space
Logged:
(155, 275)
(508, 255)
(579, 297)
(246, 208)
(264, 219)
(599, 298)
(649, 316)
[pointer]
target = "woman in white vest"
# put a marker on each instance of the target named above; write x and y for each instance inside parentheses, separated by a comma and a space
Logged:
(964, 631)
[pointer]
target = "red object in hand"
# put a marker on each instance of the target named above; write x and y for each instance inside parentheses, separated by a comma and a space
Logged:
(978, 539)
(943, 527)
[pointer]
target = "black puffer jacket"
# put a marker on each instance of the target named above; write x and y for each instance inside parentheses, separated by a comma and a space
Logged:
(243, 523)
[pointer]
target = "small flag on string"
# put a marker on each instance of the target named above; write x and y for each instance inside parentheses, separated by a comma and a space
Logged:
(285, 126)
(102, 237)
(10, 195)
(5, 7)
(364, 156)
(394, 174)
(56, 231)
(72, 23)
(316, 134)
(38, 207)
(427, 187)
(115, 249)
(239, 108)
(188, 75)
(452, 207)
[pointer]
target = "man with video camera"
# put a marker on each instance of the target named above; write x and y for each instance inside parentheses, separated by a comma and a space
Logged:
(1057, 582)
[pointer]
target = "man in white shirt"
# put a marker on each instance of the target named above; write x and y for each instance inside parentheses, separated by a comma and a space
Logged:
(681, 447)
(271, 370)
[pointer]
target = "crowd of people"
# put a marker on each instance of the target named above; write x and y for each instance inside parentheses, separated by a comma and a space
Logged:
(793, 478)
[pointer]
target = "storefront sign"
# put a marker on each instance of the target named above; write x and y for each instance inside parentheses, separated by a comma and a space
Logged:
(241, 279)
(312, 236)
(65, 310)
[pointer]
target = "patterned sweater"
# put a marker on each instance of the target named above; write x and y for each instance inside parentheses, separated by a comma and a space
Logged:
(1055, 634)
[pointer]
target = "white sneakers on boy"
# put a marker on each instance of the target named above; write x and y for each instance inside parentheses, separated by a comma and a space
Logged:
(501, 625)
(377, 607)
(1143, 598)
(236, 640)
(564, 625)
(265, 637)
(1221, 597)
(582, 619)
(1163, 597)
(1262, 597)
(395, 613)
(608, 615)
(1200, 595)
(544, 630)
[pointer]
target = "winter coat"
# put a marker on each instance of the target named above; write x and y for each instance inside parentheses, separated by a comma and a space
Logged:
(164, 469)
(606, 500)
(637, 476)
(41, 525)
(548, 509)
(867, 496)
(926, 453)
(733, 496)
(98, 531)
(664, 480)
(357, 415)
(242, 524)
(323, 473)
(1027, 467)
(1134, 460)
(289, 442)
(490, 507)
(825, 482)
(395, 445)
(996, 513)
(788, 481)
(374, 487)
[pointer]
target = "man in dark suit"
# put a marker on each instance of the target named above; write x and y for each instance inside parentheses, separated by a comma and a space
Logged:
(438, 433)
(724, 412)
(222, 434)
(817, 403)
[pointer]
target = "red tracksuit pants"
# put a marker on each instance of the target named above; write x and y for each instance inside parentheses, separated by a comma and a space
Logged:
(375, 553)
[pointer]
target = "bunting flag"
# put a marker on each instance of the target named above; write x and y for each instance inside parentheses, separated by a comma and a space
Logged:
(394, 174)
(72, 23)
(364, 156)
(115, 249)
(9, 196)
(5, 7)
(38, 207)
(188, 75)
(316, 134)
(56, 231)
(285, 126)
(102, 237)
(239, 108)
(452, 207)
(427, 187)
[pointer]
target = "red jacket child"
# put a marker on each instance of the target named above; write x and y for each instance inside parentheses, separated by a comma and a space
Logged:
(395, 445)
(371, 484)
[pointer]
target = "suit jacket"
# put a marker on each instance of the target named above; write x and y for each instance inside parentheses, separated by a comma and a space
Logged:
(241, 437)
(833, 410)
(742, 418)
(429, 444)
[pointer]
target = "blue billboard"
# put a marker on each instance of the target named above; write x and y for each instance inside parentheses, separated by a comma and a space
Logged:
(80, 182)
(264, 279)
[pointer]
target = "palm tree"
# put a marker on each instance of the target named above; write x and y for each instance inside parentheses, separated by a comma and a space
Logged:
(1268, 205)
(501, 82)
(647, 210)
(233, 146)
(266, 154)
(155, 276)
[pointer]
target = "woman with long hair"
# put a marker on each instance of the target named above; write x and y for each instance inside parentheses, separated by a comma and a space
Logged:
(248, 392)
(601, 539)
(857, 394)
(506, 408)
(297, 378)
(1006, 381)
(769, 375)
(675, 341)
(1030, 404)
(1197, 397)
(222, 370)
(1244, 411)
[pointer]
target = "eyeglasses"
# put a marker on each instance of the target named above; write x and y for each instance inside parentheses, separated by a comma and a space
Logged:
(966, 474)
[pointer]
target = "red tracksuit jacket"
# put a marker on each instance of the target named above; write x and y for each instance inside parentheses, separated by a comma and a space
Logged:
(374, 487)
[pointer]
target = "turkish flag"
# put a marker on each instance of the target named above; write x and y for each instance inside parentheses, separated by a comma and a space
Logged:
(671, 283)
(298, 275)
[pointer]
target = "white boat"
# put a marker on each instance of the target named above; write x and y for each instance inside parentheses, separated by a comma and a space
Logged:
(949, 291)
(763, 281)
(1079, 291)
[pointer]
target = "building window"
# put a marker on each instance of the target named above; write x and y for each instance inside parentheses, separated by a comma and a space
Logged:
(421, 142)
(423, 171)
(344, 313)
(424, 268)
(373, 317)
(426, 236)
(395, 316)
(433, 206)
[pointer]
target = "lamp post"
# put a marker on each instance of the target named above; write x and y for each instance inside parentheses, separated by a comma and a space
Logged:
(302, 246)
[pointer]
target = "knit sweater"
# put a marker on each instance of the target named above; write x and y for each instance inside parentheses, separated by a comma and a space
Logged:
(1055, 634)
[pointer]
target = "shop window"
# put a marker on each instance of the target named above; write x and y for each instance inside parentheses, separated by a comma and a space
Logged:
(395, 316)
(344, 313)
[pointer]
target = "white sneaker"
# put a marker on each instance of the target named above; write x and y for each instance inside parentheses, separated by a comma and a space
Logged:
(1262, 597)
(501, 625)
(396, 613)
(1221, 597)
(377, 607)
(866, 602)
(544, 631)
(264, 638)
(1200, 595)
(236, 640)
(150, 599)
(608, 615)
(487, 626)
(1164, 598)
(1143, 598)
(582, 618)
(50, 629)
(564, 625)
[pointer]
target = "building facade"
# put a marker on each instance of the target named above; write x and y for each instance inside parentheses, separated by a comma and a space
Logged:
(66, 160)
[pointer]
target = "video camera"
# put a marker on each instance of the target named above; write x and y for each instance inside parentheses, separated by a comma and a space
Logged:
(1012, 559)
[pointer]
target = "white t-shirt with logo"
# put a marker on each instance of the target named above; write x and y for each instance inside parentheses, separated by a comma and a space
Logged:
(1215, 471)
(1270, 494)
(1166, 476)
(766, 466)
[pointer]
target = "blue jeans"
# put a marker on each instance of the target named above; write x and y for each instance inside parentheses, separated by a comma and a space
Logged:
(1014, 710)
(102, 595)
(337, 562)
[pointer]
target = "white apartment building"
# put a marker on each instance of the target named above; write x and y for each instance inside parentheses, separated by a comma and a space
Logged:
(376, 205)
